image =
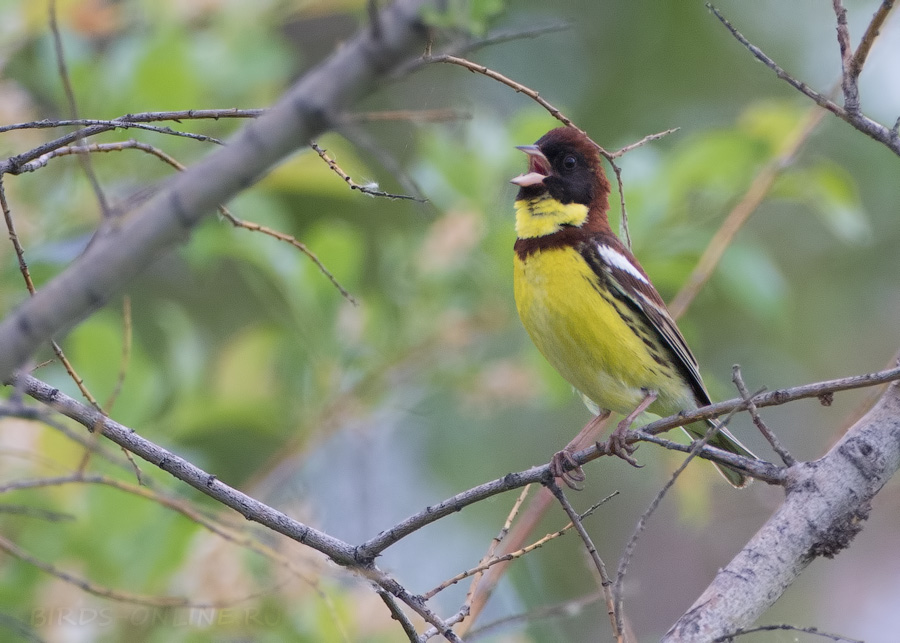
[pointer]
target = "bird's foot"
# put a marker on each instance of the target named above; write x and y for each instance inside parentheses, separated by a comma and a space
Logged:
(564, 467)
(618, 446)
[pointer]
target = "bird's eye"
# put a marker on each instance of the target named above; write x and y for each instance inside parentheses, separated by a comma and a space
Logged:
(570, 162)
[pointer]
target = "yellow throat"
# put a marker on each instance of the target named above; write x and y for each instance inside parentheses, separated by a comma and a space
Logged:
(545, 215)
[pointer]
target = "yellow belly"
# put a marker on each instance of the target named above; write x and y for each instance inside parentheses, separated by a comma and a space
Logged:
(584, 336)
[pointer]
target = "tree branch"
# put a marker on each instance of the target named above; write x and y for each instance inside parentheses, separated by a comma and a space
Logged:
(182, 201)
(872, 129)
(827, 502)
(340, 552)
(361, 558)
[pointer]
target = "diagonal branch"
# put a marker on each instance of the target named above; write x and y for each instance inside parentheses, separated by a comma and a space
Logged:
(606, 584)
(627, 553)
(337, 550)
(868, 39)
(181, 202)
(369, 190)
(877, 131)
(827, 501)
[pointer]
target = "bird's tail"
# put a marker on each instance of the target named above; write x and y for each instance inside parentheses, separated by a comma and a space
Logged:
(724, 440)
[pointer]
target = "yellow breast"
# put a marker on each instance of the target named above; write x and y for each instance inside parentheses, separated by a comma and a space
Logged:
(584, 332)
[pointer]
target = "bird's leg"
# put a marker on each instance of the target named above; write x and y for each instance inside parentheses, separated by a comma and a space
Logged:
(563, 465)
(616, 443)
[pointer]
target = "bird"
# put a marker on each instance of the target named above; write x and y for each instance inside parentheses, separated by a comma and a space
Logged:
(590, 308)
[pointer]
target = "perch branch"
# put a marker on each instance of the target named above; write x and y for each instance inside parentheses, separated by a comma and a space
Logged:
(826, 503)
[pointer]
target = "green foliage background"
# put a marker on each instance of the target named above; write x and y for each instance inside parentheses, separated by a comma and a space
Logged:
(247, 361)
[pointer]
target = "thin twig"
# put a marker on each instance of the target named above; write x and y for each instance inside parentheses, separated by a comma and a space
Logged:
(450, 622)
(624, 234)
(488, 562)
(469, 46)
(867, 126)
(397, 614)
(509, 82)
(136, 120)
(238, 223)
(606, 583)
(773, 440)
(302, 247)
(370, 190)
(787, 628)
(500, 37)
(40, 415)
(74, 376)
(91, 588)
(14, 238)
(362, 140)
(68, 150)
(647, 139)
(802, 87)
(567, 608)
(775, 398)
(94, 126)
(63, 70)
(872, 33)
(870, 398)
(628, 552)
(441, 626)
(36, 512)
(29, 285)
(115, 595)
(489, 555)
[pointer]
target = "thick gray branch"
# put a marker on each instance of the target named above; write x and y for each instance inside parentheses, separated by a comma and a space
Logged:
(142, 235)
(827, 502)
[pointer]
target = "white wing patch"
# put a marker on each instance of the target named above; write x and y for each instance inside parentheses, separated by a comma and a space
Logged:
(620, 261)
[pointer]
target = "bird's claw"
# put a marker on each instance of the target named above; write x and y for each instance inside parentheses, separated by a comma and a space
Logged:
(618, 446)
(564, 467)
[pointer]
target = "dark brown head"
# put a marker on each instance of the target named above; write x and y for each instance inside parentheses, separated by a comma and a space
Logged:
(565, 163)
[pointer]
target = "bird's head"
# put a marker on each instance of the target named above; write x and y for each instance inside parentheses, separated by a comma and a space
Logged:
(566, 164)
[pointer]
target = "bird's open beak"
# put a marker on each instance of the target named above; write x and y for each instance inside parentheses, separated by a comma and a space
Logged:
(538, 167)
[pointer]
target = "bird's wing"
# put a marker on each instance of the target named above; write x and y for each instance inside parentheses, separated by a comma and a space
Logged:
(616, 266)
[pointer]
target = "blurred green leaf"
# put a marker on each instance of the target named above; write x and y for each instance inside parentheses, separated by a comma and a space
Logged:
(830, 191)
(751, 279)
(772, 121)
(472, 16)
